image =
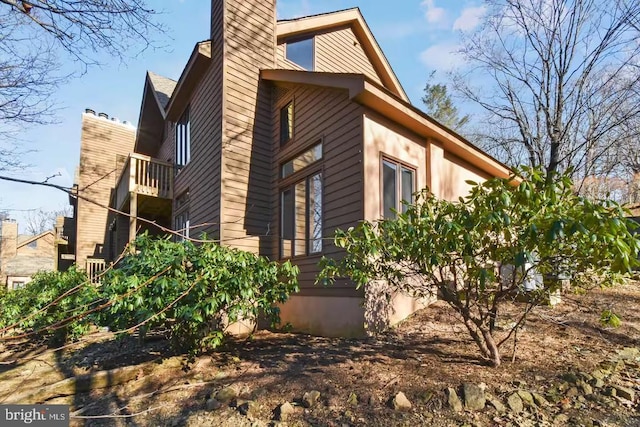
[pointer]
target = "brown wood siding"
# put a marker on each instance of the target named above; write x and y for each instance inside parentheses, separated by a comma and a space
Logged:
(327, 115)
(337, 51)
(101, 142)
(166, 152)
(201, 176)
(246, 156)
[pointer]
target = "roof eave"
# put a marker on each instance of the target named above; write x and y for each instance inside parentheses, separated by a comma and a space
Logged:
(370, 94)
(198, 63)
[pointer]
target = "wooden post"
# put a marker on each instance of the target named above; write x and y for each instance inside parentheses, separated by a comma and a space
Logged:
(133, 210)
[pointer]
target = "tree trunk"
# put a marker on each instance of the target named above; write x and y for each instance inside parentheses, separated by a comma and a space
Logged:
(494, 352)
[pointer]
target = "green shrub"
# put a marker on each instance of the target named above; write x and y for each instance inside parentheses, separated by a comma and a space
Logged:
(193, 291)
(481, 251)
(23, 310)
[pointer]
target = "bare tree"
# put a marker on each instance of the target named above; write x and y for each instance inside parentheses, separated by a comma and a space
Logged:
(40, 38)
(565, 78)
(39, 221)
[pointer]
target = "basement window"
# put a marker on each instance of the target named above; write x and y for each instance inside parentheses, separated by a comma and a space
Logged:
(301, 52)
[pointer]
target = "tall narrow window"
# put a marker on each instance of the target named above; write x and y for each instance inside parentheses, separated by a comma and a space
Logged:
(397, 180)
(182, 221)
(300, 52)
(183, 139)
(286, 123)
(301, 217)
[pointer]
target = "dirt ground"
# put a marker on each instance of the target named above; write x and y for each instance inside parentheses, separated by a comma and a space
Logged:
(147, 386)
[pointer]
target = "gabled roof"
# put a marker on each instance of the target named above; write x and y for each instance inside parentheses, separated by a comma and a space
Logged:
(164, 98)
(25, 240)
(370, 94)
(353, 18)
(162, 88)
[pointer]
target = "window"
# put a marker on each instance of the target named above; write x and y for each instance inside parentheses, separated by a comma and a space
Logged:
(183, 139)
(397, 180)
(17, 284)
(301, 218)
(300, 52)
(182, 221)
(305, 159)
(286, 123)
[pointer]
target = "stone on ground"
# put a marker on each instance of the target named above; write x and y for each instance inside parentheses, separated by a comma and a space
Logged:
(474, 399)
(453, 400)
(400, 402)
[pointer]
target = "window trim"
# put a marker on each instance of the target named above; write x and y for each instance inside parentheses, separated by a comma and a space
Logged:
(297, 39)
(399, 165)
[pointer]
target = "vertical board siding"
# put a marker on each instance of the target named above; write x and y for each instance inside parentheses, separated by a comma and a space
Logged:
(337, 51)
(97, 176)
(246, 155)
(329, 115)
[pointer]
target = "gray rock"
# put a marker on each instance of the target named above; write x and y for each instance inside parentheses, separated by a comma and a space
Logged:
(474, 399)
(585, 387)
(527, 398)
(400, 402)
(310, 398)
(539, 399)
(561, 420)
(226, 395)
(598, 374)
(213, 405)
(514, 402)
(284, 411)
(624, 392)
(610, 391)
(248, 408)
(597, 383)
(453, 400)
(495, 402)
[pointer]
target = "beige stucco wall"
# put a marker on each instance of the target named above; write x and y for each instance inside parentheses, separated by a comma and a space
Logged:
(324, 316)
(383, 138)
(449, 173)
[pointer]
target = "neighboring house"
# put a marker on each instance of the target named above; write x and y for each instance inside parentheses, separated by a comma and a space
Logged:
(21, 256)
(276, 134)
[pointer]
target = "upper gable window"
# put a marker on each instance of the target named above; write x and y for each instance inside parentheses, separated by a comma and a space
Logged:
(300, 52)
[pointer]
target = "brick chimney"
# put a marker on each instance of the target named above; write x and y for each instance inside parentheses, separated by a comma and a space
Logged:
(9, 242)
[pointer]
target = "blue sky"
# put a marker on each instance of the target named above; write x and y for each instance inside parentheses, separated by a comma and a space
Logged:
(417, 36)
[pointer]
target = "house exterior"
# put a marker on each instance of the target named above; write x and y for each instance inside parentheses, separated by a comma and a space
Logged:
(22, 256)
(276, 134)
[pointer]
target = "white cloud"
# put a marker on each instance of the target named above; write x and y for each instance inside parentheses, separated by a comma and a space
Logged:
(433, 13)
(469, 18)
(442, 57)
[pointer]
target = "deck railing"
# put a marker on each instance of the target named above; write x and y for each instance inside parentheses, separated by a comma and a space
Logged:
(95, 266)
(144, 175)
